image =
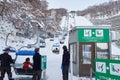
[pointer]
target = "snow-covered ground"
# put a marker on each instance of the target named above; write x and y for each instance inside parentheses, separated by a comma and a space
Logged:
(72, 21)
(53, 71)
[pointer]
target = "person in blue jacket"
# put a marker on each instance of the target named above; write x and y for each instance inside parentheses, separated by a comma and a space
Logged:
(65, 63)
(37, 65)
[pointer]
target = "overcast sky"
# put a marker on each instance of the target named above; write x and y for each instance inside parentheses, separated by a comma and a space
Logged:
(74, 4)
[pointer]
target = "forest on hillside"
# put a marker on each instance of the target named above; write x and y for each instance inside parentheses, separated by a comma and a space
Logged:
(21, 13)
(105, 9)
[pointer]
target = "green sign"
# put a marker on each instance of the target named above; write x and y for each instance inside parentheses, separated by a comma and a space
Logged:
(93, 35)
(44, 62)
(107, 69)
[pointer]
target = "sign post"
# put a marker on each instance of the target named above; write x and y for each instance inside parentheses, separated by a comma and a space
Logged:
(44, 62)
(43, 66)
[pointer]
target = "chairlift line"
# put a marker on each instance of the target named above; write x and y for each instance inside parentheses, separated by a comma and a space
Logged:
(19, 52)
(29, 19)
(41, 19)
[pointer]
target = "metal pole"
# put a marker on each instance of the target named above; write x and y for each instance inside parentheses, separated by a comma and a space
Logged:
(44, 75)
(90, 73)
(71, 66)
(7, 39)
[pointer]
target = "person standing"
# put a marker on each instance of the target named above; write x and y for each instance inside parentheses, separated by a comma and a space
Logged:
(37, 65)
(65, 63)
(6, 60)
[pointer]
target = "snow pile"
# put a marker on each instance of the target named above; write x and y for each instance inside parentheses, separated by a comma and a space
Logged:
(82, 21)
(70, 22)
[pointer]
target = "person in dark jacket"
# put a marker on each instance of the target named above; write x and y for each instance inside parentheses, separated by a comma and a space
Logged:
(37, 65)
(65, 63)
(6, 60)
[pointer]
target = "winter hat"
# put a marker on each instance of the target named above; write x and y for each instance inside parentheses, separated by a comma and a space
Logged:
(7, 49)
(36, 50)
(65, 48)
(27, 59)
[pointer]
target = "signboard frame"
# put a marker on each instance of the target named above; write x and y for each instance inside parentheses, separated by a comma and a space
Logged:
(93, 35)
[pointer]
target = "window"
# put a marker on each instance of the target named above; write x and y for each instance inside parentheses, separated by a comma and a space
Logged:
(86, 54)
(73, 51)
(102, 50)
